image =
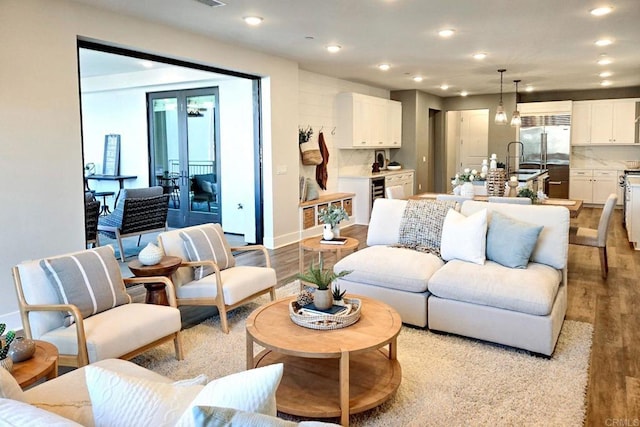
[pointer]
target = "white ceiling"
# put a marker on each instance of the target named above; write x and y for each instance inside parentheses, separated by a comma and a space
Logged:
(548, 44)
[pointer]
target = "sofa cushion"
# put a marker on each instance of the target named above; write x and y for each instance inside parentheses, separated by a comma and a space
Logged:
(252, 391)
(464, 238)
(122, 400)
(510, 242)
(90, 280)
(531, 290)
(390, 267)
(215, 416)
(207, 243)
(15, 413)
(9, 388)
(384, 225)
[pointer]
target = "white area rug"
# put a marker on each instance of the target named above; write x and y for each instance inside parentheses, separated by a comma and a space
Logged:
(446, 380)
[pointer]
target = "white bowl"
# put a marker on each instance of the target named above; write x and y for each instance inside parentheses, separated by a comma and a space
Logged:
(394, 168)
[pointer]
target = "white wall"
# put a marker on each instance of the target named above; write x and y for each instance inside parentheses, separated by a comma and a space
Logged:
(40, 147)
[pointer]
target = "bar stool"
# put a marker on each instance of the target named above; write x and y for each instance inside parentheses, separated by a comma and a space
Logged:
(104, 209)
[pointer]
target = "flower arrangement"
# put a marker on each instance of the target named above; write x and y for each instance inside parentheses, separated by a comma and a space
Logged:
(332, 214)
(6, 342)
(304, 135)
(468, 175)
(320, 277)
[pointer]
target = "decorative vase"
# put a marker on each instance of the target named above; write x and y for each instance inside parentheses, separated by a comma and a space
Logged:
(323, 299)
(327, 232)
(22, 349)
(150, 255)
(467, 190)
(336, 230)
(7, 363)
(456, 190)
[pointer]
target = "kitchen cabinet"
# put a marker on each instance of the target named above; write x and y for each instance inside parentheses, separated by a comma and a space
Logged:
(632, 219)
(593, 186)
(368, 122)
(609, 121)
(310, 224)
(369, 187)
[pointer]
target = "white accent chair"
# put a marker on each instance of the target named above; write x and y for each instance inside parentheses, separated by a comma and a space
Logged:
(512, 200)
(596, 237)
(226, 289)
(120, 332)
(395, 192)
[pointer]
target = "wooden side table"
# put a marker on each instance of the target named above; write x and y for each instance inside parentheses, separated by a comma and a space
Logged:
(43, 364)
(156, 292)
(313, 244)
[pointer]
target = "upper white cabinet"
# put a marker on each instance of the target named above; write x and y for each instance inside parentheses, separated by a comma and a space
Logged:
(368, 122)
(609, 121)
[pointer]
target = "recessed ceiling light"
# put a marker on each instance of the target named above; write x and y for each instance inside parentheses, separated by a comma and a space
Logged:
(253, 20)
(604, 60)
(333, 48)
(479, 56)
(444, 87)
(417, 79)
(146, 64)
(446, 33)
(605, 74)
(605, 83)
(464, 93)
(604, 42)
(384, 67)
(600, 11)
(529, 88)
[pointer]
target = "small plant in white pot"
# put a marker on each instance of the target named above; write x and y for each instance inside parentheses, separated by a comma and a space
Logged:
(332, 215)
(322, 279)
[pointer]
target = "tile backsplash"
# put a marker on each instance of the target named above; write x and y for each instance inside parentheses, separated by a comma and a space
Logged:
(604, 157)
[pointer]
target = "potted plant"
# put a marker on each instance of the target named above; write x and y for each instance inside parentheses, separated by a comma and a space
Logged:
(5, 360)
(322, 279)
(527, 192)
(332, 215)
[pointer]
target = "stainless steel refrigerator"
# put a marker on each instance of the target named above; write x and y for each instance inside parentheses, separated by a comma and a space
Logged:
(546, 142)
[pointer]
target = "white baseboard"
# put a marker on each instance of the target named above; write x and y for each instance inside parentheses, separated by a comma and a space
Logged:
(12, 320)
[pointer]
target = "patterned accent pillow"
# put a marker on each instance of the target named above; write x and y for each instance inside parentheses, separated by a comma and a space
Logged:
(421, 224)
(90, 280)
(207, 243)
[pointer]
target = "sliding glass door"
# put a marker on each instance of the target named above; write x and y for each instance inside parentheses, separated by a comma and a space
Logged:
(185, 153)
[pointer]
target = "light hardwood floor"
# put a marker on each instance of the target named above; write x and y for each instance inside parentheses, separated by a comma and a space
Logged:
(613, 395)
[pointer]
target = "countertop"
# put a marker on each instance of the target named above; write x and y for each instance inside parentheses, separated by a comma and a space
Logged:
(380, 174)
(525, 175)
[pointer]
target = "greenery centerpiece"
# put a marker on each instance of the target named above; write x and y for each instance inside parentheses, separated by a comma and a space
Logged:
(332, 215)
(322, 279)
(527, 192)
(5, 343)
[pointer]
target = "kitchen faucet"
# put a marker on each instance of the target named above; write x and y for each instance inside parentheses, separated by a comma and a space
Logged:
(521, 159)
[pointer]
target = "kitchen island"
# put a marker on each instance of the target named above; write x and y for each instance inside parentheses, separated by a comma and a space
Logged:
(533, 179)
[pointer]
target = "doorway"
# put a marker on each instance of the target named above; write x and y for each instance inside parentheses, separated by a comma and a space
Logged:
(185, 153)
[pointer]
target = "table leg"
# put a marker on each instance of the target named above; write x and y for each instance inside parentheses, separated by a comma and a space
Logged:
(344, 388)
(393, 349)
(156, 294)
(249, 352)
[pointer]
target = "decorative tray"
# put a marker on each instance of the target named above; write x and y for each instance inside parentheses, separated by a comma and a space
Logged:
(315, 320)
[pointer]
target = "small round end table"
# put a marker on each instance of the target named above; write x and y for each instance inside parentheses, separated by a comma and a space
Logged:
(313, 244)
(43, 364)
(156, 292)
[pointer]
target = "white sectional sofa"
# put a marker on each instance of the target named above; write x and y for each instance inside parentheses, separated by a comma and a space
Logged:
(519, 307)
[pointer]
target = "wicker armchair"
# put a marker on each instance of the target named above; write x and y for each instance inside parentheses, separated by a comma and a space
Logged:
(139, 211)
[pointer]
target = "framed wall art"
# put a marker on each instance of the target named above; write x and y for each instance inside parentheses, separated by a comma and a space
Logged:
(111, 161)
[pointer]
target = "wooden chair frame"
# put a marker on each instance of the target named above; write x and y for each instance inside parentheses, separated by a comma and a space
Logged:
(82, 358)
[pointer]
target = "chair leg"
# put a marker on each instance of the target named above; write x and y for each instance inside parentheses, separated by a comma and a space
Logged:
(119, 239)
(140, 238)
(272, 293)
(604, 264)
(222, 310)
(177, 345)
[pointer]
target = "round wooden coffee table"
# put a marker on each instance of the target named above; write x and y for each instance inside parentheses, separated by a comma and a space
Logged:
(43, 364)
(156, 292)
(328, 373)
(313, 244)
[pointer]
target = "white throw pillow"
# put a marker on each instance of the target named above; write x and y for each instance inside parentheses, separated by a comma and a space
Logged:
(123, 400)
(9, 387)
(464, 238)
(14, 413)
(251, 391)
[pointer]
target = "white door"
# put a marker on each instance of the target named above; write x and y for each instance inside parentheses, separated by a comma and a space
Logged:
(474, 139)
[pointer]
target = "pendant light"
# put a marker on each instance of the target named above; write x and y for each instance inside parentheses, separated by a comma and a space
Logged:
(515, 119)
(501, 116)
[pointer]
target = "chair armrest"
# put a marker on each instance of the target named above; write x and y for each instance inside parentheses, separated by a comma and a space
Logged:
(254, 248)
(170, 288)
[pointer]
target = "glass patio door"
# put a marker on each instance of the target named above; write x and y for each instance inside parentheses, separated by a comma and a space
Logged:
(185, 153)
